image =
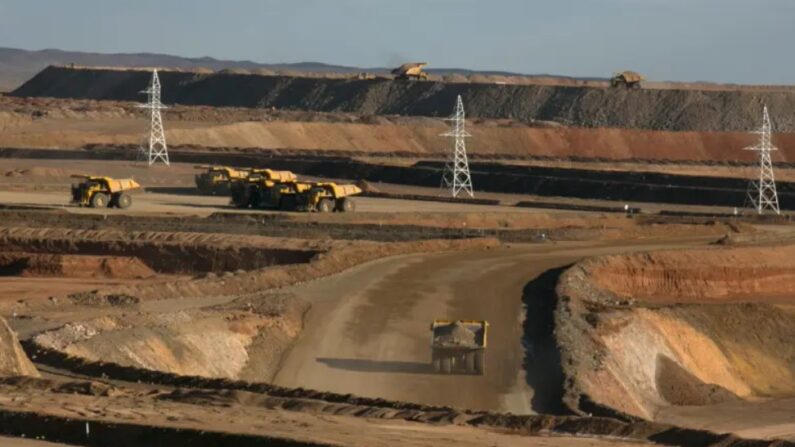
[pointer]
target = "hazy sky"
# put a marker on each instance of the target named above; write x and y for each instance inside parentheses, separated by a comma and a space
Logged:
(747, 41)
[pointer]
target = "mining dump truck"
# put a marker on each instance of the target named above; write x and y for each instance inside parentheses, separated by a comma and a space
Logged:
(325, 197)
(103, 192)
(217, 179)
(268, 189)
(270, 174)
(628, 79)
(459, 347)
(411, 70)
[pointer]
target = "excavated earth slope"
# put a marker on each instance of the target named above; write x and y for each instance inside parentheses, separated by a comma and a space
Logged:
(68, 123)
(243, 339)
(643, 331)
(580, 106)
(232, 327)
(13, 361)
(74, 266)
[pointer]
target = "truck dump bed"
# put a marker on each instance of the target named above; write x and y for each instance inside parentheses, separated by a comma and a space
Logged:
(463, 334)
(459, 347)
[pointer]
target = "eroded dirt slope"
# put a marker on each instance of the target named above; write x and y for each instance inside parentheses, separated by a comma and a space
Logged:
(65, 123)
(707, 275)
(243, 338)
(648, 331)
(13, 361)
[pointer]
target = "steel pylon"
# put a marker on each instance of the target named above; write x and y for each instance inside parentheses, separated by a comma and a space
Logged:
(157, 148)
(456, 175)
(762, 192)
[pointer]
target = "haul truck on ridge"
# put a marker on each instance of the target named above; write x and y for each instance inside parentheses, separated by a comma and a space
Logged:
(411, 71)
(629, 79)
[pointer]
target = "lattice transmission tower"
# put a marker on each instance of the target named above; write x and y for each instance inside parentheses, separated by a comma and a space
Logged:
(157, 148)
(762, 193)
(456, 170)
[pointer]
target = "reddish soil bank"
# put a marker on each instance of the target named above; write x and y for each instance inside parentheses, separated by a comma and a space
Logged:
(67, 123)
(645, 331)
(72, 266)
(717, 275)
(160, 253)
(581, 106)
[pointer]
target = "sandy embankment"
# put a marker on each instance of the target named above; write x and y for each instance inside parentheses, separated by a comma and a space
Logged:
(13, 361)
(644, 331)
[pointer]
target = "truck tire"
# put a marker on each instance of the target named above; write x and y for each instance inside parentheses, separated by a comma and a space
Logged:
(240, 200)
(470, 362)
(325, 206)
(437, 364)
(447, 365)
(288, 203)
(123, 200)
(346, 205)
(255, 201)
(480, 362)
(99, 200)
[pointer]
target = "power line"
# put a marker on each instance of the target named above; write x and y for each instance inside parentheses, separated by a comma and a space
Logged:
(157, 150)
(456, 175)
(762, 193)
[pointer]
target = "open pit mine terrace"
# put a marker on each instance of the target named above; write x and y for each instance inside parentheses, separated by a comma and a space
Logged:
(685, 126)
(551, 183)
(270, 329)
(626, 345)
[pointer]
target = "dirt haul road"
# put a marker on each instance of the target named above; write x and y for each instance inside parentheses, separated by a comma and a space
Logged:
(367, 332)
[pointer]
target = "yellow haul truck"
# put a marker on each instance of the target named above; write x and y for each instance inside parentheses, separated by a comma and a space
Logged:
(266, 188)
(411, 71)
(269, 189)
(103, 192)
(217, 179)
(325, 197)
(459, 347)
(628, 79)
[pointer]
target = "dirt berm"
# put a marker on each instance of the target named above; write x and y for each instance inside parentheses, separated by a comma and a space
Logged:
(644, 331)
(13, 361)
(579, 106)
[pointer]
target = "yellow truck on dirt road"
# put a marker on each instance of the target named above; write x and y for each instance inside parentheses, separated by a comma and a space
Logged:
(325, 197)
(103, 192)
(459, 347)
(267, 189)
(281, 190)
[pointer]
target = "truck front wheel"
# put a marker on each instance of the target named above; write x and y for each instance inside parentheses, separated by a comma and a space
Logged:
(99, 200)
(325, 206)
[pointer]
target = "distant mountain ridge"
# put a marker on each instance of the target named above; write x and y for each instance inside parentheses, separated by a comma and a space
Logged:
(17, 66)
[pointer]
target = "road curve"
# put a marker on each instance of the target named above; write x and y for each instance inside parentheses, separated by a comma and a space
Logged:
(367, 332)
